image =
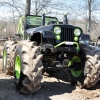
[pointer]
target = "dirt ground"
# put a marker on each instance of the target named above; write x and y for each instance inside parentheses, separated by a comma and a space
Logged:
(51, 89)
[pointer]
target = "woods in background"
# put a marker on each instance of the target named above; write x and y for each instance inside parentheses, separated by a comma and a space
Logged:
(83, 13)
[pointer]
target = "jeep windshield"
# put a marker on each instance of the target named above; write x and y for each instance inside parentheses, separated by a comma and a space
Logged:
(35, 21)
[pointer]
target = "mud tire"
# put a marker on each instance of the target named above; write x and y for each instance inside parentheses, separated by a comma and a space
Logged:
(8, 57)
(91, 72)
(30, 67)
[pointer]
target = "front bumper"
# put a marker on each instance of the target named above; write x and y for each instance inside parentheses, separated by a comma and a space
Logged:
(65, 49)
(68, 48)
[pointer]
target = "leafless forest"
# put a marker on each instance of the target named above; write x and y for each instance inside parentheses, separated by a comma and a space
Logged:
(83, 13)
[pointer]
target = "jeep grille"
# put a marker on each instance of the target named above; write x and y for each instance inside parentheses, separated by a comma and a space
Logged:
(67, 34)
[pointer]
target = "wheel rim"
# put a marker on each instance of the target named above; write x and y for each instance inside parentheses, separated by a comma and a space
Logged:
(75, 73)
(4, 58)
(17, 67)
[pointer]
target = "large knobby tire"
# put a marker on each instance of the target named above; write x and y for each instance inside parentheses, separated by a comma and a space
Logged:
(28, 67)
(8, 57)
(91, 72)
(76, 76)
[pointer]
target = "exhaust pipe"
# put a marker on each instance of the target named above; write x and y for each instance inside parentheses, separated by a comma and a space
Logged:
(43, 19)
(65, 20)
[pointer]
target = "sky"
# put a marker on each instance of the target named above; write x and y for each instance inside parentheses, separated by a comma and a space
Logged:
(72, 7)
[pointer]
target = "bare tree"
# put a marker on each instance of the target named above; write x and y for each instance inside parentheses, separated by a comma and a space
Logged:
(17, 8)
(87, 12)
(92, 23)
(39, 6)
(81, 12)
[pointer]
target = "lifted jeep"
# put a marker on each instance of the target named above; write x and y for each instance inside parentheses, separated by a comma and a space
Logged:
(45, 45)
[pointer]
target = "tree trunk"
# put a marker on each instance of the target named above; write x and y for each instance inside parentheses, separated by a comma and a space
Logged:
(28, 7)
(89, 8)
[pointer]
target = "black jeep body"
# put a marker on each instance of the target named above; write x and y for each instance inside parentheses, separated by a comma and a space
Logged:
(55, 51)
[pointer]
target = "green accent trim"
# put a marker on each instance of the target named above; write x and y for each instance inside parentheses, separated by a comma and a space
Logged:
(17, 67)
(75, 73)
(4, 57)
(20, 25)
(59, 44)
(75, 38)
(58, 37)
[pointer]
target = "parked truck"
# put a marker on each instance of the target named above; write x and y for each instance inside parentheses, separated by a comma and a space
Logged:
(45, 44)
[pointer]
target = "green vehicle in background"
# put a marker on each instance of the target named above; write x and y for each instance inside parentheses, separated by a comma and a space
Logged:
(45, 44)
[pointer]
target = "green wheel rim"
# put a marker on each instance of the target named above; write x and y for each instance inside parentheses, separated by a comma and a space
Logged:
(17, 67)
(4, 58)
(75, 73)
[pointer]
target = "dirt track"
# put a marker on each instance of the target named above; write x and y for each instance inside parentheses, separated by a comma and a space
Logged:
(52, 89)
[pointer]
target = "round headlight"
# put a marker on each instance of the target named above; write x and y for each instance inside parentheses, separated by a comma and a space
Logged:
(77, 32)
(57, 30)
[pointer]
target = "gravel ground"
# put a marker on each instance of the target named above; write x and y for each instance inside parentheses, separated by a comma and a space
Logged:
(51, 89)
